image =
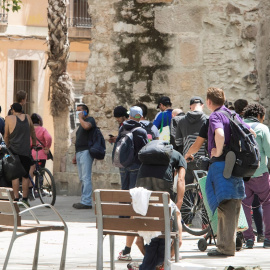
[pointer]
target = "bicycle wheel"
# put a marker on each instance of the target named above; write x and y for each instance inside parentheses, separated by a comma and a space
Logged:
(193, 212)
(46, 186)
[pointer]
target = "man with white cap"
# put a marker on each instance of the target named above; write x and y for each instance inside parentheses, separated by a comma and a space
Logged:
(129, 174)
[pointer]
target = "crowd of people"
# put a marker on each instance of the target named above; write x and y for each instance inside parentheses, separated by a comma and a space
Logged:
(192, 134)
(195, 134)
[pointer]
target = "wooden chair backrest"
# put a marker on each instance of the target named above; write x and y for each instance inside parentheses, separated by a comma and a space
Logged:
(115, 203)
(7, 212)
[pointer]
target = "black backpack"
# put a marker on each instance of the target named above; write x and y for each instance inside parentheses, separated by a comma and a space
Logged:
(245, 147)
(96, 144)
(156, 152)
(148, 129)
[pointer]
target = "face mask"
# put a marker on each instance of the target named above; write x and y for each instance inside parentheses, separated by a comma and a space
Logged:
(78, 112)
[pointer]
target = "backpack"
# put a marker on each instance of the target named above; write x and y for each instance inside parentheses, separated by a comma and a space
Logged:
(123, 151)
(148, 128)
(245, 147)
(96, 145)
(156, 152)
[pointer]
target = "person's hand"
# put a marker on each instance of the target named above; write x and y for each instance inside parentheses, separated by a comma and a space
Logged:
(80, 115)
(112, 139)
(189, 157)
(74, 161)
(214, 153)
(46, 151)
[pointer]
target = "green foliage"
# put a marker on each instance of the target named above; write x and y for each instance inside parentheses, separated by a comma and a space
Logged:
(14, 5)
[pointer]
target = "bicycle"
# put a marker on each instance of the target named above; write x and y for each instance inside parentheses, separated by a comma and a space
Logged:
(194, 216)
(43, 182)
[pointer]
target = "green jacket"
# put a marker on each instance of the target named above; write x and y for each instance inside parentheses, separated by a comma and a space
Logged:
(263, 140)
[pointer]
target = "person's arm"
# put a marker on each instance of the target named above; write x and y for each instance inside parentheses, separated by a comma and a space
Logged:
(85, 125)
(48, 141)
(266, 141)
(219, 141)
(180, 186)
(178, 135)
(194, 147)
(32, 131)
(7, 131)
(157, 121)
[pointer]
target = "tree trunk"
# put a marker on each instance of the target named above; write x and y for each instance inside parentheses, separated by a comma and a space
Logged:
(61, 87)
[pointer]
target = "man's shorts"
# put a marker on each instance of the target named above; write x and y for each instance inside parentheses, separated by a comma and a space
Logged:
(26, 163)
(156, 184)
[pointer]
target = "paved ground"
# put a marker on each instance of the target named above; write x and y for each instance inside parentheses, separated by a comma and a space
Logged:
(81, 251)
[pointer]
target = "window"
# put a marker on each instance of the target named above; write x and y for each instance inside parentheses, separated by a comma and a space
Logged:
(3, 13)
(23, 81)
(78, 15)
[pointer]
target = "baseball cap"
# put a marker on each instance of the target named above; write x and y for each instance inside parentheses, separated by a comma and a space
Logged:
(196, 100)
(120, 111)
(135, 112)
(165, 101)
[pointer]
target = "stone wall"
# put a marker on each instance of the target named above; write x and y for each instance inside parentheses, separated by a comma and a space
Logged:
(143, 49)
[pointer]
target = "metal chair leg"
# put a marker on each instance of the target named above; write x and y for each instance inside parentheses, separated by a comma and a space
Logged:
(64, 250)
(112, 251)
(35, 261)
(13, 238)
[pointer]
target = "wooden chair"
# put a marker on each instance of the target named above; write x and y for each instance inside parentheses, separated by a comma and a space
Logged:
(10, 220)
(110, 204)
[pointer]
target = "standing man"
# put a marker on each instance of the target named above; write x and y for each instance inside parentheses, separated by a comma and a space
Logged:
(121, 115)
(21, 98)
(177, 114)
(18, 130)
(83, 158)
(129, 174)
(164, 104)
(259, 183)
(222, 193)
(151, 129)
(187, 131)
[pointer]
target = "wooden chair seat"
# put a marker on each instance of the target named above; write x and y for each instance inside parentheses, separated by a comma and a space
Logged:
(33, 228)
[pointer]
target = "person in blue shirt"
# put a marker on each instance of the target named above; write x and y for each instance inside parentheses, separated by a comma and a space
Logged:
(164, 104)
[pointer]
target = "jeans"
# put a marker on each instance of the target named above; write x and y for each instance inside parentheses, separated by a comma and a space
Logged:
(129, 176)
(260, 186)
(84, 165)
(154, 254)
(257, 214)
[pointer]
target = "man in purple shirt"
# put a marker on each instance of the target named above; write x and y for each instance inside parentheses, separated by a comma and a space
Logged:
(225, 194)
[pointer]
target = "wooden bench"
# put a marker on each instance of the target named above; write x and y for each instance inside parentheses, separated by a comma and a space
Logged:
(110, 204)
(10, 220)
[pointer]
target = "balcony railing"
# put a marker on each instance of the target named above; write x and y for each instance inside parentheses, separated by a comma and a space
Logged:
(78, 15)
(3, 13)
(83, 22)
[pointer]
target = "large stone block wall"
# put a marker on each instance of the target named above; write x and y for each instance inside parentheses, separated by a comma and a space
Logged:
(143, 49)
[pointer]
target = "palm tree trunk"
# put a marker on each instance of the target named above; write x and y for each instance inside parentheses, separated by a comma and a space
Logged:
(61, 87)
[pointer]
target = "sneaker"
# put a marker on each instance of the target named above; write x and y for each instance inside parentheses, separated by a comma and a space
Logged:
(133, 266)
(250, 243)
(81, 206)
(266, 243)
(25, 202)
(260, 238)
(125, 257)
(229, 164)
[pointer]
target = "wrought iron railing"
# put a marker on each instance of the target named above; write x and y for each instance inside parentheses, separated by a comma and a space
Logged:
(78, 15)
(3, 13)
